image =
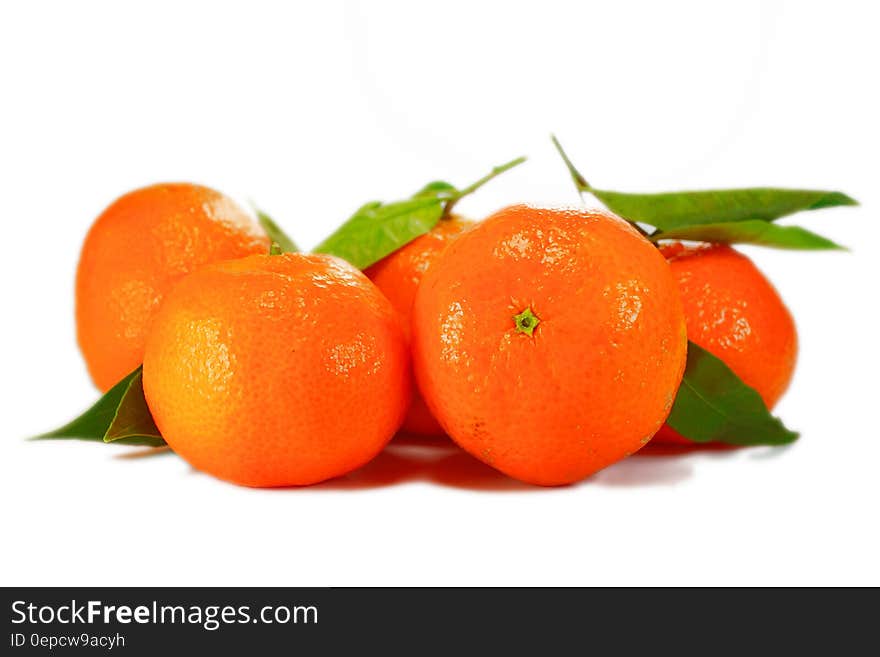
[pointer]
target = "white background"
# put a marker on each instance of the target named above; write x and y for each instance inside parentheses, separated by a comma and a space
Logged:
(314, 108)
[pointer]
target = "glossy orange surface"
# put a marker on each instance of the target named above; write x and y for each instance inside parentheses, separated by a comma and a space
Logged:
(586, 384)
(398, 276)
(277, 370)
(133, 255)
(734, 312)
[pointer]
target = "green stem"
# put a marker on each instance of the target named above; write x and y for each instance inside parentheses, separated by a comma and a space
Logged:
(526, 322)
(583, 186)
(470, 189)
(579, 181)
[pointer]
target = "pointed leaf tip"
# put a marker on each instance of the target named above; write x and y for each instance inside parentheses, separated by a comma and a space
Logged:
(713, 404)
(674, 210)
(133, 420)
(95, 423)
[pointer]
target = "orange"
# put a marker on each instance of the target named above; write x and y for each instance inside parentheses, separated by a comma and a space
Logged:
(135, 252)
(398, 276)
(277, 370)
(549, 343)
(734, 312)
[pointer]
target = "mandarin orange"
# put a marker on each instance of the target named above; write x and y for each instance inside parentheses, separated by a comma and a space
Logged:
(277, 370)
(398, 276)
(736, 314)
(549, 343)
(139, 247)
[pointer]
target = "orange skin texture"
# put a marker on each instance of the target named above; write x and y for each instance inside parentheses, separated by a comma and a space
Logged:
(133, 255)
(598, 375)
(277, 370)
(734, 312)
(398, 276)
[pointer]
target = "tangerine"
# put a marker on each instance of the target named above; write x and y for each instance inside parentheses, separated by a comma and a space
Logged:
(277, 370)
(736, 314)
(136, 250)
(398, 276)
(549, 343)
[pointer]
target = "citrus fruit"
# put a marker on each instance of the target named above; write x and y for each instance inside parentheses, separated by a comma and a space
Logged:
(734, 312)
(398, 276)
(549, 343)
(277, 370)
(141, 245)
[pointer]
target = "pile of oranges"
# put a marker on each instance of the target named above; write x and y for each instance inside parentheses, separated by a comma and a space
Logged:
(546, 342)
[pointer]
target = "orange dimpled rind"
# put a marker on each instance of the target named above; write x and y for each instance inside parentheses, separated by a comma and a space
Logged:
(398, 276)
(736, 314)
(277, 370)
(134, 253)
(596, 376)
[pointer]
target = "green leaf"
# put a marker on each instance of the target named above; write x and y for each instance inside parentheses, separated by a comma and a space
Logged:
(133, 420)
(750, 232)
(671, 210)
(377, 230)
(713, 404)
(96, 423)
(275, 233)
